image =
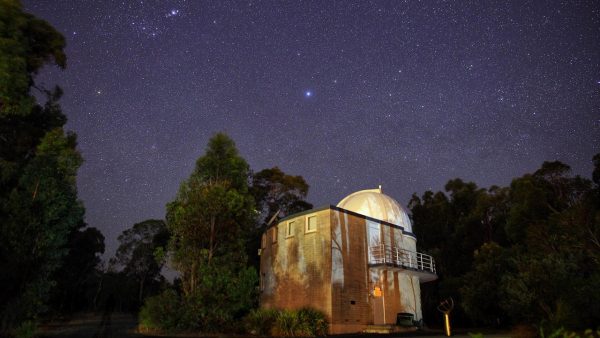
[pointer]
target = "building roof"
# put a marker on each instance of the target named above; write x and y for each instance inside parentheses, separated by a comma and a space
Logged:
(375, 204)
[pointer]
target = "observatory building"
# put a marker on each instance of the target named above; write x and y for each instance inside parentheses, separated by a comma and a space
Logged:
(356, 262)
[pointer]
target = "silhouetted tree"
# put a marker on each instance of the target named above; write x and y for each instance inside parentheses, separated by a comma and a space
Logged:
(137, 254)
(523, 254)
(77, 279)
(38, 166)
(277, 195)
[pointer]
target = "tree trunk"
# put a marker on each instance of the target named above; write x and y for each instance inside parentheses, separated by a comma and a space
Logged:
(141, 293)
(211, 239)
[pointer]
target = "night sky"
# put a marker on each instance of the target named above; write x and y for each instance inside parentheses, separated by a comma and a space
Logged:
(347, 94)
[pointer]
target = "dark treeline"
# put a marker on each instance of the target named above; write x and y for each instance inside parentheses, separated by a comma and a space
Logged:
(48, 256)
(524, 254)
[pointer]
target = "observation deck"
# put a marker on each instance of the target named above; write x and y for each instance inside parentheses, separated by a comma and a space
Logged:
(391, 258)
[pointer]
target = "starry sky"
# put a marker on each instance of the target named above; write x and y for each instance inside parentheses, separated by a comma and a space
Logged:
(348, 94)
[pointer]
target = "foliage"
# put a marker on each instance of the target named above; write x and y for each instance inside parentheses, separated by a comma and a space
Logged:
(450, 228)
(136, 254)
(38, 165)
(277, 195)
(27, 329)
(562, 333)
(212, 213)
(161, 312)
(275, 191)
(312, 322)
(521, 254)
(223, 296)
(39, 213)
(209, 222)
(482, 282)
(287, 323)
(26, 44)
(78, 278)
(212, 223)
(260, 321)
(302, 322)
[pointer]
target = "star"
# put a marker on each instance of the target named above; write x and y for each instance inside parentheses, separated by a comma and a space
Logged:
(177, 68)
(173, 12)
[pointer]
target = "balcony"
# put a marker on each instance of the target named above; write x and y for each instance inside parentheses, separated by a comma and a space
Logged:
(387, 257)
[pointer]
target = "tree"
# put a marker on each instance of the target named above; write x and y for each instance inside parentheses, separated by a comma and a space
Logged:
(137, 253)
(38, 166)
(275, 191)
(480, 289)
(523, 254)
(555, 252)
(77, 279)
(277, 195)
(38, 215)
(209, 222)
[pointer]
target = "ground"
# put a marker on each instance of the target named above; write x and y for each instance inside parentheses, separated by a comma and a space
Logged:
(122, 325)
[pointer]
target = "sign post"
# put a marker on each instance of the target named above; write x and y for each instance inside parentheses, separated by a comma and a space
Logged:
(445, 307)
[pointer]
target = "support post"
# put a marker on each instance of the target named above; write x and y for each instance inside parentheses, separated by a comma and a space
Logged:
(447, 324)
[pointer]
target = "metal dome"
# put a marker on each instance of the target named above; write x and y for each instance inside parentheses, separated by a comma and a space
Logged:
(374, 203)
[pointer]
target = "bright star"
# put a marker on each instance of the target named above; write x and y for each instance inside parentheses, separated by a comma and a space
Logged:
(173, 12)
(308, 93)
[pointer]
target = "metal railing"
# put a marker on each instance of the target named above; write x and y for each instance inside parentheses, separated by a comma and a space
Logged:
(391, 255)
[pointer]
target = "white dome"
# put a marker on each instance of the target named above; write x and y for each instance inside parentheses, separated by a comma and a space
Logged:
(376, 204)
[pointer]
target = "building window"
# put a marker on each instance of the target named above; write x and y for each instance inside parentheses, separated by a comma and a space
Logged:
(311, 223)
(290, 229)
(274, 234)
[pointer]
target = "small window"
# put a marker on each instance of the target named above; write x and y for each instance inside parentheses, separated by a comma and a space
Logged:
(290, 229)
(311, 223)
(274, 234)
(263, 242)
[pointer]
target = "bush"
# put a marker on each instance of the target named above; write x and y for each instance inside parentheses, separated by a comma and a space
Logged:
(219, 302)
(303, 322)
(287, 323)
(260, 321)
(162, 312)
(27, 329)
(312, 322)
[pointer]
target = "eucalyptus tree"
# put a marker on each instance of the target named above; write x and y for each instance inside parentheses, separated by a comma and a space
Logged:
(38, 166)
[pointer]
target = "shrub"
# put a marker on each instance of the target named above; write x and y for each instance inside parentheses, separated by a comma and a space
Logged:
(162, 312)
(220, 300)
(312, 322)
(27, 329)
(287, 323)
(303, 322)
(260, 321)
